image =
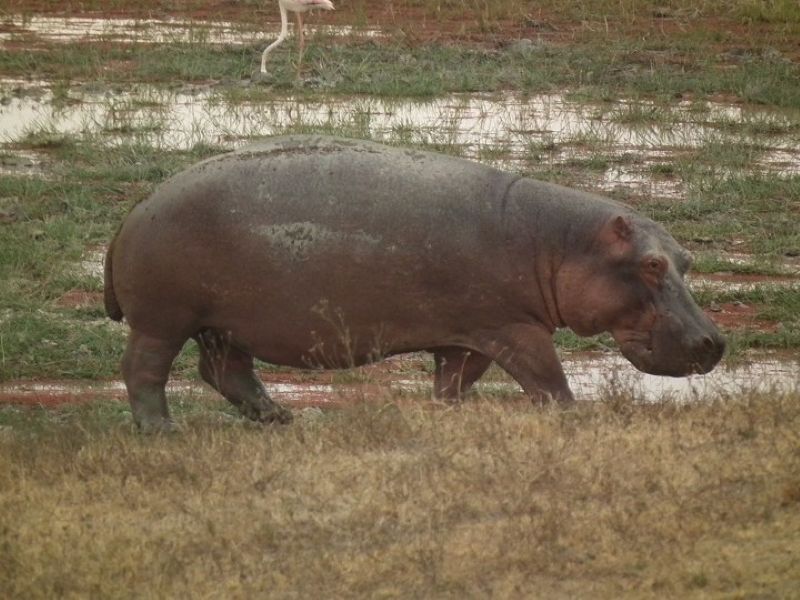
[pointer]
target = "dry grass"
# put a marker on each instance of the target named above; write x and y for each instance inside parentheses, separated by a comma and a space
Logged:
(398, 499)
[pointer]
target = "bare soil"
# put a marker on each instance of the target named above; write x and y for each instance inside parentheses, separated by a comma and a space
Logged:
(80, 299)
(738, 316)
(418, 26)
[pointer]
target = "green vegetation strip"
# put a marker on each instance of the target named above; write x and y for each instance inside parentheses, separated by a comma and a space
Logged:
(659, 67)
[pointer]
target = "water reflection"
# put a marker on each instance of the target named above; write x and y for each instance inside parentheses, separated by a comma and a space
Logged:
(504, 130)
(154, 31)
(591, 377)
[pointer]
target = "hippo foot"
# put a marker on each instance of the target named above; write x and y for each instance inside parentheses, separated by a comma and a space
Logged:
(268, 413)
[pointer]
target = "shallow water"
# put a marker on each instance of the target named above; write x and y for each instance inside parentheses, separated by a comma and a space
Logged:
(50, 393)
(507, 130)
(21, 162)
(595, 376)
(591, 377)
(698, 283)
(157, 31)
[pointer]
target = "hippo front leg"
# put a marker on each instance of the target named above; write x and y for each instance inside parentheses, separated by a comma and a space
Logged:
(526, 352)
(145, 369)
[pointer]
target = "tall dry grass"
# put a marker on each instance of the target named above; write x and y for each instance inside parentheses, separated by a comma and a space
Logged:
(388, 499)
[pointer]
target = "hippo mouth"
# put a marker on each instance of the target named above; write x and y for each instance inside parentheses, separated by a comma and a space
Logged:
(641, 353)
(638, 351)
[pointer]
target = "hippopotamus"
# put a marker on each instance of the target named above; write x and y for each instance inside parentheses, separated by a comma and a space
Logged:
(322, 252)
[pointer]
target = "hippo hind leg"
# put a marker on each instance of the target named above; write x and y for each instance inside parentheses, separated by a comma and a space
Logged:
(145, 368)
(230, 371)
(456, 370)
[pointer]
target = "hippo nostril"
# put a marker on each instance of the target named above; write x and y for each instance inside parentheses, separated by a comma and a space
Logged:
(708, 351)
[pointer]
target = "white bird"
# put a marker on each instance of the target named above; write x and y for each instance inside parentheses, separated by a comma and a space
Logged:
(298, 7)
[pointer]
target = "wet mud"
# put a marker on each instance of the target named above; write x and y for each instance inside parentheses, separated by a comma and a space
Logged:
(592, 376)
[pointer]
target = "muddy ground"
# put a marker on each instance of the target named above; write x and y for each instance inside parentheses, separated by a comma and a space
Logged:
(546, 21)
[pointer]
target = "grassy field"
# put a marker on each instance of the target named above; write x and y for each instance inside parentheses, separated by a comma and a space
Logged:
(598, 67)
(782, 12)
(387, 498)
(399, 499)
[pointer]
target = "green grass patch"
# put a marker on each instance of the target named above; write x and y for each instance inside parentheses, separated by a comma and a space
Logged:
(777, 304)
(42, 345)
(757, 208)
(590, 67)
(780, 303)
(90, 190)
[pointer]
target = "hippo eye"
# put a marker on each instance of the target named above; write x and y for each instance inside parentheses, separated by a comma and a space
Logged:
(655, 266)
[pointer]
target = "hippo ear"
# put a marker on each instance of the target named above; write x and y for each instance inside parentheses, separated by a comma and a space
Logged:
(616, 236)
(622, 228)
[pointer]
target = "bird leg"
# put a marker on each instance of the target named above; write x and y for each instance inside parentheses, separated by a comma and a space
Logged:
(276, 43)
(301, 42)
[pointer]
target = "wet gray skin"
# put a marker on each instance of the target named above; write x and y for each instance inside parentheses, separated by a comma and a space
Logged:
(329, 253)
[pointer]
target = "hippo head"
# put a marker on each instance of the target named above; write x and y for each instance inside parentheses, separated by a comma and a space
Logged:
(629, 281)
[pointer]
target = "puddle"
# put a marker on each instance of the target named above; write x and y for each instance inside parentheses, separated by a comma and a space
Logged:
(790, 265)
(590, 377)
(53, 393)
(92, 263)
(155, 31)
(21, 162)
(699, 283)
(507, 130)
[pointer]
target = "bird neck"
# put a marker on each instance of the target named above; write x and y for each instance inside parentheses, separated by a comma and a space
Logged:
(284, 21)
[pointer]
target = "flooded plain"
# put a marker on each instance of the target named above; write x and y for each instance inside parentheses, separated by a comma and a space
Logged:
(592, 376)
(65, 30)
(507, 130)
(622, 144)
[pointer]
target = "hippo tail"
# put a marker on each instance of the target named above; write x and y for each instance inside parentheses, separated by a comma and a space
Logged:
(113, 309)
